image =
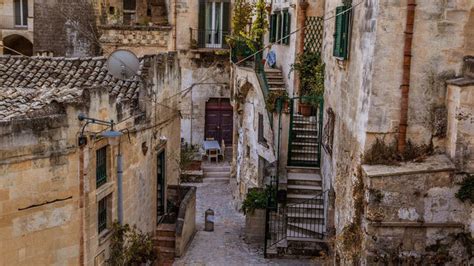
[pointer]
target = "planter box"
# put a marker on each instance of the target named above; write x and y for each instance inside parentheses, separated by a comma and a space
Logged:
(255, 226)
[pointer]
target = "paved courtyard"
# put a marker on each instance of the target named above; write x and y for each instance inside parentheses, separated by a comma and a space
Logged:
(226, 245)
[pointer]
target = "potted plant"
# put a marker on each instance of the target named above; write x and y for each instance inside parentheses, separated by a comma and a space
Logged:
(273, 96)
(253, 207)
(311, 74)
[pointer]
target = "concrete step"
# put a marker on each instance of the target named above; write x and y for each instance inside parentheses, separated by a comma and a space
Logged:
(302, 216)
(219, 180)
(309, 227)
(272, 70)
(166, 230)
(303, 169)
(299, 197)
(307, 206)
(305, 239)
(165, 252)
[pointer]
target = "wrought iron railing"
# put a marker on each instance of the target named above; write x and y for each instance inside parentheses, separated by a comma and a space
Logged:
(208, 38)
(301, 221)
(304, 145)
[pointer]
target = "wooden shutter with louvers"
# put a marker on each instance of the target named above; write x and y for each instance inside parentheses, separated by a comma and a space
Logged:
(341, 32)
(286, 27)
(226, 22)
(202, 23)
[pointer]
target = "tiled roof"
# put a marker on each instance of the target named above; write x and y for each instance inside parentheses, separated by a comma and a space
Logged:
(28, 84)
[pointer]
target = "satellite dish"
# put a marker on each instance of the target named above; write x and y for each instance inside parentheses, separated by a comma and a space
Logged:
(123, 64)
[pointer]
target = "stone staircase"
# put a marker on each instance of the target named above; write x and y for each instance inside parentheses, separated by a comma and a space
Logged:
(275, 79)
(164, 242)
(304, 148)
(219, 173)
(305, 210)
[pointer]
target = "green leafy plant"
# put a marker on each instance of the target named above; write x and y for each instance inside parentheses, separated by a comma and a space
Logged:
(241, 17)
(273, 96)
(130, 246)
(259, 26)
(310, 68)
(466, 191)
(257, 198)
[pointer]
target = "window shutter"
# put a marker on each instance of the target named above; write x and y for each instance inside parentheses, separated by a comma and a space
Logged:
(202, 22)
(278, 27)
(341, 32)
(272, 32)
(226, 22)
(286, 27)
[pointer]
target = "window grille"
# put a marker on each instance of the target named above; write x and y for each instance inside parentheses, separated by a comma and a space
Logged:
(313, 40)
(101, 166)
(102, 215)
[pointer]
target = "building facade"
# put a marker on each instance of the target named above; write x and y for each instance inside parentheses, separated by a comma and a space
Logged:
(16, 26)
(59, 176)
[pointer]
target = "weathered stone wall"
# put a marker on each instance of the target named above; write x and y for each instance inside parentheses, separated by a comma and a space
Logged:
(64, 28)
(40, 164)
(249, 104)
(205, 78)
(412, 213)
(141, 40)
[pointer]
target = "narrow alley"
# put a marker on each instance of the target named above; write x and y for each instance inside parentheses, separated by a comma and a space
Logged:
(226, 245)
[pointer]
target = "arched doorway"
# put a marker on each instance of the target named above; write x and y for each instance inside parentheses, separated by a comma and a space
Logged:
(18, 43)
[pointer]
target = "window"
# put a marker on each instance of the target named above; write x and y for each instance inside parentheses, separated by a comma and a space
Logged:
(342, 32)
(102, 214)
(280, 26)
(129, 7)
(213, 23)
(261, 134)
(101, 166)
(21, 13)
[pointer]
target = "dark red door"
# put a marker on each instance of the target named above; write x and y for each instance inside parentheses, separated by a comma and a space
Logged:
(219, 120)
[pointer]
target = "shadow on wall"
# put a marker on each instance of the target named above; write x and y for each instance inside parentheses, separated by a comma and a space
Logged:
(19, 45)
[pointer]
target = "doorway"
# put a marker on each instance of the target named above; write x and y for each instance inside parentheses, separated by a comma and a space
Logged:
(219, 120)
(160, 186)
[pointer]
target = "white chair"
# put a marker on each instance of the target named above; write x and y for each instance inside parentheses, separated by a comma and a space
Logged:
(222, 151)
(213, 153)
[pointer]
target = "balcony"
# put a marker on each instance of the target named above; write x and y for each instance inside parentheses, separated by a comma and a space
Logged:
(208, 40)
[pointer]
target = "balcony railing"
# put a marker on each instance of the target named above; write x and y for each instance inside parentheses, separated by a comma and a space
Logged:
(208, 39)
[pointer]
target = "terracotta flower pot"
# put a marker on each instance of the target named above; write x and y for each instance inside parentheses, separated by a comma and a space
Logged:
(305, 109)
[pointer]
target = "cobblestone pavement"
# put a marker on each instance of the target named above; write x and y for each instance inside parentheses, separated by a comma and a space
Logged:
(226, 245)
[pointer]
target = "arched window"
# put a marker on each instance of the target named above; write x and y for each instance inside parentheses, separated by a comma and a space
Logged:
(21, 13)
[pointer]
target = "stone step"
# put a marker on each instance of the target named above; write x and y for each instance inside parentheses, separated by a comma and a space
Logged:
(217, 174)
(166, 230)
(306, 206)
(303, 159)
(304, 176)
(166, 252)
(304, 239)
(299, 197)
(310, 227)
(304, 187)
(164, 241)
(304, 183)
(300, 151)
(272, 70)
(213, 180)
(303, 169)
(207, 169)
(294, 214)
(277, 89)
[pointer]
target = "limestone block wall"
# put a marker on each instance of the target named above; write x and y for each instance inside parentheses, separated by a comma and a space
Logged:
(460, 129)
(205, 80)
(39, 221)
(142, 40)
(412, 212)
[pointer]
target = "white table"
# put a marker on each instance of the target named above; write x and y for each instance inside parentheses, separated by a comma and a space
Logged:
(210, 145)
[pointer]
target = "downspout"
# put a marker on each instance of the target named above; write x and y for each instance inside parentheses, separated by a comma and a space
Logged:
(81, 206)
(405, 87)
(175, 23)
(301, 21)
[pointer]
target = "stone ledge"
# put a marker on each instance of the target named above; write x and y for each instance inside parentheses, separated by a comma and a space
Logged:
(135, 27)
(436, 163)
(461, 82)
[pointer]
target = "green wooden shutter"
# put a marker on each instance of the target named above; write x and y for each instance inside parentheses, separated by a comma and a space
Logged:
(226, 23)
(202, 23)
(278, 27)
(286, 26)
(341, 32)
(272, 33)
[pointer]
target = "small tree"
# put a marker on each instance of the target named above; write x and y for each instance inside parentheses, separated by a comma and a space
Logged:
(259, 26)
(243, 12)
(130, 246)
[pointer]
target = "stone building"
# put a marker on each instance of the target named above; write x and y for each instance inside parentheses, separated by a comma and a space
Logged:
(386, 76)
(16, 26)
(58, 185)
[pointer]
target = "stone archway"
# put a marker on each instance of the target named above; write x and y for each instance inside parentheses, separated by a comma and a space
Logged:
(18, 43)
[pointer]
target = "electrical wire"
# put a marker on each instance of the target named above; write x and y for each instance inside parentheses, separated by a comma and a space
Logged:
(293, 32)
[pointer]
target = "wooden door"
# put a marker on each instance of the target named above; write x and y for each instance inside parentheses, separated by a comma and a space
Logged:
(219, 120)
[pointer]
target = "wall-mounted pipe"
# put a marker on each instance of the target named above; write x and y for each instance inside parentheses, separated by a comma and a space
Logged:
(405, 87)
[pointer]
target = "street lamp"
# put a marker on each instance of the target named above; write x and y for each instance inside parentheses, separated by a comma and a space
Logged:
(114, 139)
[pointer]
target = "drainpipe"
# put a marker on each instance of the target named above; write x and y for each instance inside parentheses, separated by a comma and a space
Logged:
(301, 22)
(119, 186)
(81, 206)
(175, 25)
(405, 87)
